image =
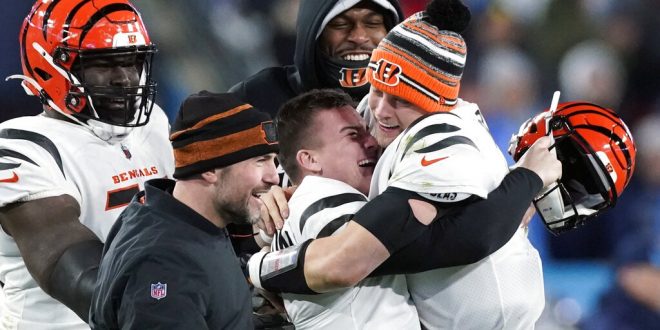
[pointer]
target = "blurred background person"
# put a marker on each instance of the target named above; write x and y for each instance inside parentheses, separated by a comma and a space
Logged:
(633, 302)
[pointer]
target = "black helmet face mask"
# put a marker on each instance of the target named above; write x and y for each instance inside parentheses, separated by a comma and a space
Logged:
(582, 192)
(116, 85)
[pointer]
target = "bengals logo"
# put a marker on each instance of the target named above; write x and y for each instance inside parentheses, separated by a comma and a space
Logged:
(387, 72)
(609, 168)
(352, 78)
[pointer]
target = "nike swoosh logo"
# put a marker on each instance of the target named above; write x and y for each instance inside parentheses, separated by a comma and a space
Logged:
(12, 179)
(426, 162)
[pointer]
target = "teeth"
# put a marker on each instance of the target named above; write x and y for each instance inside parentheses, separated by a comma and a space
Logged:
(355, 57)
(388, 126)
(366, 162)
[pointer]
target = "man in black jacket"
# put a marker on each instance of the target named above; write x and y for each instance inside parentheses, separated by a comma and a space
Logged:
(333, 45)
(168, 262)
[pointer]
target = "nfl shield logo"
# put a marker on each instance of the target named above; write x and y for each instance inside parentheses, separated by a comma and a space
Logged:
(158, 290)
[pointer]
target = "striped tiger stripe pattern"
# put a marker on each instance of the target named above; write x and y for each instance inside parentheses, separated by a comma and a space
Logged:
(420, 64)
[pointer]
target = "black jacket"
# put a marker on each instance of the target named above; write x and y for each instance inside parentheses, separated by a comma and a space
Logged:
(268, 89)
(166, 267)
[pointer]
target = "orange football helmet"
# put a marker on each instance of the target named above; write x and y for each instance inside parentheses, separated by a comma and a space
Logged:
(597, 153)
(59, 38)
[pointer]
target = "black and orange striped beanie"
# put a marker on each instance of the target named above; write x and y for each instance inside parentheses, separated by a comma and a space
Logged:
(421, 62)
(216, 130)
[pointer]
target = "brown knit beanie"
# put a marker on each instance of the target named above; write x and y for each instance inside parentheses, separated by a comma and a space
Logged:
(217, 130)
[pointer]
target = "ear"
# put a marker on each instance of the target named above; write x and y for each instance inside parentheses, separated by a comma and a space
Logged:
(211, 176)
(308, 161)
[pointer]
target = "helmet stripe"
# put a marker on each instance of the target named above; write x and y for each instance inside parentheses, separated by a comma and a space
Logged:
(44, 23)
(69, 18)
(24, 40)
(101, 13)
(618, 140)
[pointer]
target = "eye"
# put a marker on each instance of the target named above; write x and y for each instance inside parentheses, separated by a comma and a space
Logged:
(374, 23)
(338, 24)
(402, 102)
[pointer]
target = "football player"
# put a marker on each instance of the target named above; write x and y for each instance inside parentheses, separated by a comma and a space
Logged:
(331, 157)
(440, 158)
(67, 173)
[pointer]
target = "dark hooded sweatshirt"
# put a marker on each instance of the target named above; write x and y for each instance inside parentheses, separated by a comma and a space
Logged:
(268, 89)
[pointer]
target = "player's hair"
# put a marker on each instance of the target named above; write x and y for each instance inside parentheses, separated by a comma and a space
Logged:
(294, 123)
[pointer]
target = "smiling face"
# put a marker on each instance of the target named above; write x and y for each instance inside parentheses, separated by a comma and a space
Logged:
(239, 186)
(346, 151)
(105, 77)
(353, 34)
(392, 114)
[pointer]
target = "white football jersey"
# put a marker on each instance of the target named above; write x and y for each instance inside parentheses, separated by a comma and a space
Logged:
(319, 208)
(44, 157)
(447, 157)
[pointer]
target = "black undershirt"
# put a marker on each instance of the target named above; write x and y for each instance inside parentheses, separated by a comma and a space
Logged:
(469, 233)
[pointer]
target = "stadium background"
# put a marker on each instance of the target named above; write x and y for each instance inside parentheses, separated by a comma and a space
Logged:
(519, 53)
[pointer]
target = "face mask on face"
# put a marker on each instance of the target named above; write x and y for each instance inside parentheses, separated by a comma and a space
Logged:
(347, 75)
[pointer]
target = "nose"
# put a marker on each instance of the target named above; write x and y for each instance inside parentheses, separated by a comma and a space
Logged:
(383, 108)
(122, 76)
(370, 142)
(358, 34)
(270, 174)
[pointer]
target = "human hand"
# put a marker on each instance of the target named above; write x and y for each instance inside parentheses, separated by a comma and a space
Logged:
(642, 282)
(275, 208)
(274, 299)
(542, 161)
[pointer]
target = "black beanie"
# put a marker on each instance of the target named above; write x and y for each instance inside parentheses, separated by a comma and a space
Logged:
(216, 130)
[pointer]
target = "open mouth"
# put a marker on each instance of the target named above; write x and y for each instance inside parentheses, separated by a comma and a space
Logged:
(258, 194)
(355, 57)
(367, 163)
(387, 127)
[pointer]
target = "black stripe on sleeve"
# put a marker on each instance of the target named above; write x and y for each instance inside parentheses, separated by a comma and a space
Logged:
(428, 130)
(446, 143)
(7, 166)
(329, 202)
(38, 139)
(14, 154)
(333, 225)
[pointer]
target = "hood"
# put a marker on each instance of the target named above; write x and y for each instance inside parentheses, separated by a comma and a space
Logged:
(311, 14)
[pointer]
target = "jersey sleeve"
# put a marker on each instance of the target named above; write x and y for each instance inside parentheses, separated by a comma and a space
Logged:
(162, 294)
(30, 168)
(440, 156)
(319, 208)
